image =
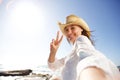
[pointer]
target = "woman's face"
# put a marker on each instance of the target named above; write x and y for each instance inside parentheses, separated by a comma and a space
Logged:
(72, 32)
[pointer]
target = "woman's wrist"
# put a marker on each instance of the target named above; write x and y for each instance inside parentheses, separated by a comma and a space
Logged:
(51, 57)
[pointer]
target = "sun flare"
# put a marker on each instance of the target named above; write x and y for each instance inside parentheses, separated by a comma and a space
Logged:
(27, 17)
(25, 25)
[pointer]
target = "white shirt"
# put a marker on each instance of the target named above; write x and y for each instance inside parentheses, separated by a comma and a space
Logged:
(83, 55)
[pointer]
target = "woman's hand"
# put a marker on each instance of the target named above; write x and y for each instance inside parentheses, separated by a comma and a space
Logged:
(54, 45)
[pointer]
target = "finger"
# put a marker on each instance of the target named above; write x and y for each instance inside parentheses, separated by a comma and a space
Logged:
(57, 37)
(52, 43)
(52, 40)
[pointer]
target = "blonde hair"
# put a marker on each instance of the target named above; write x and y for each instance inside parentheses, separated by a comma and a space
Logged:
(88, 35)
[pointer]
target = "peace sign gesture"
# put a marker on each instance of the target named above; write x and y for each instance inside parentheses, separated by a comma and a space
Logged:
(54, 45)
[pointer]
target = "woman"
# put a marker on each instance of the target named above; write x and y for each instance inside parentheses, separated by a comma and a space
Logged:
(84, 62)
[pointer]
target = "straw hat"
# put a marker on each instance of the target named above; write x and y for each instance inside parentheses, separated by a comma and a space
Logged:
(72, 19)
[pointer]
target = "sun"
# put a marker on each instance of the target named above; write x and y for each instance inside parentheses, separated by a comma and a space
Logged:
(27, 17)
(25, 25)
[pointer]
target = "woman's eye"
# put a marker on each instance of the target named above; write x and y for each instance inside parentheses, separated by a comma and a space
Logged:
(66, 30)
(72, 28)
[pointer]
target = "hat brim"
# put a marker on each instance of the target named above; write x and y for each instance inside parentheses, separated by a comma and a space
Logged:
(83, 25)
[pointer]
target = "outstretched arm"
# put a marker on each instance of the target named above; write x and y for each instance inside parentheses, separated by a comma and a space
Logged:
(93, 73)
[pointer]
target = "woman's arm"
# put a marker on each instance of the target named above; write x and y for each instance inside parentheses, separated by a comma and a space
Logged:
(93, 73)
(54, 45)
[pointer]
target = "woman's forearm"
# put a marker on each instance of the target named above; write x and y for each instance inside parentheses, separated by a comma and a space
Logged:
(51, 57)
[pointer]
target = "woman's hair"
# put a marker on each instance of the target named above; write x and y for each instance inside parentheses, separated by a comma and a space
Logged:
(88, 35)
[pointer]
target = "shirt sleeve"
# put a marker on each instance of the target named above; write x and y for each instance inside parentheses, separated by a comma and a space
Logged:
(84, 43)
(89, 56)
(83, 47)
(57, 64)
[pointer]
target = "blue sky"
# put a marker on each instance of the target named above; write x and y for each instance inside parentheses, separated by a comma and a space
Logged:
(28, 26)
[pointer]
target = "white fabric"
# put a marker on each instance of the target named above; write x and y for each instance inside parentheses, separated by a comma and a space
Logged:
(83, 55)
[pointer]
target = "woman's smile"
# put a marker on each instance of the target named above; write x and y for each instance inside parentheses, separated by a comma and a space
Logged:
(72, 32)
